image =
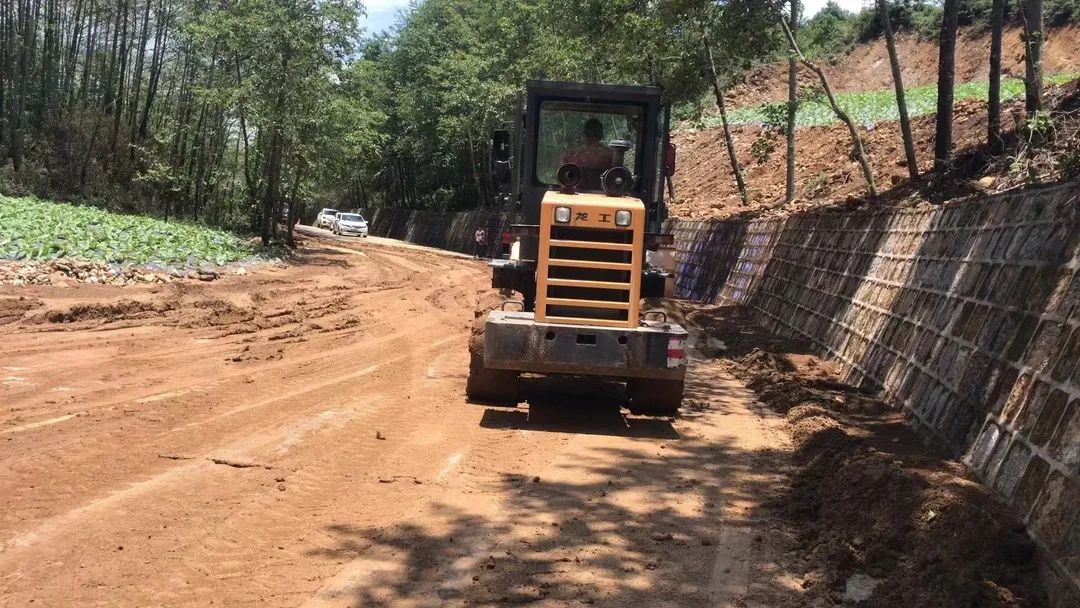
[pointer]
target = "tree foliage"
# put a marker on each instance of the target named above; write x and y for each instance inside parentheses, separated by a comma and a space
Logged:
(248, 113)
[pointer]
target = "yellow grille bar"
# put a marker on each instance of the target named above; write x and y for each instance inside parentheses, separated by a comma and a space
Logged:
(581, 321)
(590, 264)
(609, 288)
(582, 283)
(592, 245)
(588, 303)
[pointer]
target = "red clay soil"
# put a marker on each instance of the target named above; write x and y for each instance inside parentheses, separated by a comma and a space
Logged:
(826, 172)
(824, 169)
(866, 68)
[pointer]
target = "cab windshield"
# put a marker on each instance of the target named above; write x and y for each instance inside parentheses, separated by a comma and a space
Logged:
(580, 133)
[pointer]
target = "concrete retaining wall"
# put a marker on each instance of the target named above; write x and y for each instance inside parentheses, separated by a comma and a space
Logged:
(966, 315)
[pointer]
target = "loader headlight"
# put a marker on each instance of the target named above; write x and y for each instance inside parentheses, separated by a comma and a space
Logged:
(622, 217)
(562, 214)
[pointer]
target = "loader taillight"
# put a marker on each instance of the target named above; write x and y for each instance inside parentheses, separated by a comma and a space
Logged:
(676, 352)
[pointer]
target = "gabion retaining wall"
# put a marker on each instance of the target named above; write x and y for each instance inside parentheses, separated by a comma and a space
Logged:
(966, 315)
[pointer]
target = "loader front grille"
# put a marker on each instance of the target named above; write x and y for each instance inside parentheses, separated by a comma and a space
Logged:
(591, 276)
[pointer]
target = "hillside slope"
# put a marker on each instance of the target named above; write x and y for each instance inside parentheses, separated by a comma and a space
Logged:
(826, 171)
(866, 68)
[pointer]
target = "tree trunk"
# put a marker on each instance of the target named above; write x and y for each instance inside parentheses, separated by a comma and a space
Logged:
(156, 62)
(1033, 42)
(993, 102)
(718, 91)
(273, 177)
(856, 141)
(294, 205)
(136, 84)
(793, 105)
(946, 85)
(26, 49)
(898, 85)
(121, 83)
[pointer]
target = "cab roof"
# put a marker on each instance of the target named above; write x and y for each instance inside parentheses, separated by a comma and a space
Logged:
(593, 91)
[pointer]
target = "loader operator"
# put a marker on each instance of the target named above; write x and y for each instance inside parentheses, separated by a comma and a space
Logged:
(592, 154)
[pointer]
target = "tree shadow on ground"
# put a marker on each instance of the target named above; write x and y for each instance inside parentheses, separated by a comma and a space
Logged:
(638, 523)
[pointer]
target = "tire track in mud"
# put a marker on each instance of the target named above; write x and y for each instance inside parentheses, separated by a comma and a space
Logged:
(263, 444)
(184, 396)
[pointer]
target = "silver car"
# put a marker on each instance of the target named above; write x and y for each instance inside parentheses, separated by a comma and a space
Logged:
(349, 223)
(325, 219)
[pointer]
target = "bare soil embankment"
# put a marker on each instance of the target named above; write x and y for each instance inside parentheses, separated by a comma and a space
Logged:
(866, 68)
(871, 513)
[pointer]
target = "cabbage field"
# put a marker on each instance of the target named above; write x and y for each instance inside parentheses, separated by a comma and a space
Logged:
(36, 229)
(870, 107)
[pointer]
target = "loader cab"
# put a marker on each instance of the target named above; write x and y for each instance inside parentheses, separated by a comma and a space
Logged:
(557, 124)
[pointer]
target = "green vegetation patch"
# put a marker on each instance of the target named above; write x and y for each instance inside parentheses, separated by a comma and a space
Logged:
(869, 108)
(34, 229)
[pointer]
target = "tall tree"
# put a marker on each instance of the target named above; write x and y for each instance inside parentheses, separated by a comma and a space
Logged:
(792, 107)
(853, 131)
(946, 84)
(993, 102)
(718, 91)
(1033, 43)
(898, 86)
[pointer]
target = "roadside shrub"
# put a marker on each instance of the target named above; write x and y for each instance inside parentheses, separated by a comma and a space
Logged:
(762, 147)
(818, 185)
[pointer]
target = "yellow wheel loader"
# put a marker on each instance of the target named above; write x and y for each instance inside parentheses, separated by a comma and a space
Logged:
(581, 176)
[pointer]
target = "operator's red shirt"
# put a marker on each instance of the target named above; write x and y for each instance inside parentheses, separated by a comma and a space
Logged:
(588, 156)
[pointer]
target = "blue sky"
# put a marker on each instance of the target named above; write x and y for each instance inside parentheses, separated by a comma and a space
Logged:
(383, 13)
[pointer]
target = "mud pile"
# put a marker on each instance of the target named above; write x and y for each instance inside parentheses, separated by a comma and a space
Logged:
(66, 271)
(877, 518)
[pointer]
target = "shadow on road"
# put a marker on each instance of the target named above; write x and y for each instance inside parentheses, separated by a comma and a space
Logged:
(588, 419)
(586, 406)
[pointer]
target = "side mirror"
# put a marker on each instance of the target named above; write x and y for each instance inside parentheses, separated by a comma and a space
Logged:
(669, 159)
(500, 145)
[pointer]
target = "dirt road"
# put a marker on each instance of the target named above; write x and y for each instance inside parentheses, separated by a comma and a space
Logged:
(299, 436)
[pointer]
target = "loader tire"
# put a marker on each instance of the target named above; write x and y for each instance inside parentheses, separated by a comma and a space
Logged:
(490, 386)
(654, 397)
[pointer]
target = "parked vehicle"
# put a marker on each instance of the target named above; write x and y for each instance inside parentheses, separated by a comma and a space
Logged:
(325, 218)
(349, 223)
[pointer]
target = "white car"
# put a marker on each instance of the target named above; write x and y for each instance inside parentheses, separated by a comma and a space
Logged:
(325, 219)
(349, 223)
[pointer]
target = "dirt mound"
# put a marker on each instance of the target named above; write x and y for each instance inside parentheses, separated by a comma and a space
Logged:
(828, 177)
(13, 309)
(931, 537)
(877, 518)
(866, 68)
(106, 312)
(213, 313)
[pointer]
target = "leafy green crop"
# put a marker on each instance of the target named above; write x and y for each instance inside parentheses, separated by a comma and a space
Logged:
(31, 228)
(869, 108)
